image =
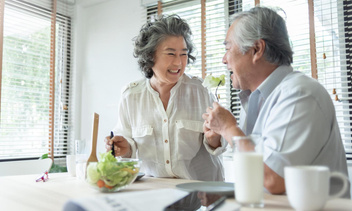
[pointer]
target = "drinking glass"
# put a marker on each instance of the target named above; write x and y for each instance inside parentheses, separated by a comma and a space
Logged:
(82, 154)
(249, 170)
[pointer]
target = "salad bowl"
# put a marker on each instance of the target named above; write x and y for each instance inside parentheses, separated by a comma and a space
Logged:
(110, 174)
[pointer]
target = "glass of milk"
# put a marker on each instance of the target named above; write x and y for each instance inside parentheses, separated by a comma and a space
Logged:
(249, 170)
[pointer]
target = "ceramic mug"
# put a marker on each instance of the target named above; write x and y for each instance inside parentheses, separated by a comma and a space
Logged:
(308, 187)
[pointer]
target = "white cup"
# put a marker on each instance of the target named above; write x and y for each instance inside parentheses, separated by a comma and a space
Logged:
(307, 187)
(248, 170)
(81, 165)
(71, 164)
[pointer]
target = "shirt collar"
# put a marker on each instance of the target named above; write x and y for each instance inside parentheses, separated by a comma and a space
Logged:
(173, 89)
(269, 84)
(273, 80)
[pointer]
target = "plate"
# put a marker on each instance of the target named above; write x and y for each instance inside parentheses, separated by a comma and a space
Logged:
(224, 188)
(140, 175)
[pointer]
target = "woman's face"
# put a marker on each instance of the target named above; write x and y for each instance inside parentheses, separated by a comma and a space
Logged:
(170, 60)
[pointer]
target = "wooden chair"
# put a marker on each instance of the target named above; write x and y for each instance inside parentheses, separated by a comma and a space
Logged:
(22, 167)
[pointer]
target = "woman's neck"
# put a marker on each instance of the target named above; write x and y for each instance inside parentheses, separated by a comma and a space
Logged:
(163, 89)
(160, 87)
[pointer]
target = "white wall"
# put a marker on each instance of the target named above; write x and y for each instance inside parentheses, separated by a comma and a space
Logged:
(104, 62)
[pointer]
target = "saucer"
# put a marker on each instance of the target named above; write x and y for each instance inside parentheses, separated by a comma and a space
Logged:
(224, 188)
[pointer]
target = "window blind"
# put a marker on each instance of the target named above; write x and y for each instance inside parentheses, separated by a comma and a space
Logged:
(332, 41)
(215, 31)
(322, 47)
(333, 70)
(64, 103)
(216, 28)
(347, 18)
(295, 13)
(25, 91)
(190, 11)
(235, 6)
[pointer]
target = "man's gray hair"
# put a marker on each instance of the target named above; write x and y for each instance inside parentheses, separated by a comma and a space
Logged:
(153, 33)
(263, 23)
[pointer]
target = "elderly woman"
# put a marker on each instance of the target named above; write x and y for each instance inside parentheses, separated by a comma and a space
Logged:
(160, 117)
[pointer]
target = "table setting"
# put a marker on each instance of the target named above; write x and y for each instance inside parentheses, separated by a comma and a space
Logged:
(115, 183)
(24, 193)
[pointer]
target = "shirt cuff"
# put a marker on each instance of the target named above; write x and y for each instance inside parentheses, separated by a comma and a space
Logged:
(218, 150)
(276, 161)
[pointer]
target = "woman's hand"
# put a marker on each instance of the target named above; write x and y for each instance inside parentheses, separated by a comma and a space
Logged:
(121, 146)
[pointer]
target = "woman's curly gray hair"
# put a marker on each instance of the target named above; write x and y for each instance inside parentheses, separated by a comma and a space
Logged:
(153, 33)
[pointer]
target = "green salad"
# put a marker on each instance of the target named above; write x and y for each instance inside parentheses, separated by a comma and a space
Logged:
(110, 174)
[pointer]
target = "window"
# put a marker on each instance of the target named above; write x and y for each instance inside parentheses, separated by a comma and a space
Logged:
(209, 48)
(236, 6)
(326, 58)
(29, 120)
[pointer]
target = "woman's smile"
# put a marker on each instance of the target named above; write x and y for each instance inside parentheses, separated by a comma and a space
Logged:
(174, 71)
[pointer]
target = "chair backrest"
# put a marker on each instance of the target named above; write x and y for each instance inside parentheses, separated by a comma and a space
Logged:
(22, 167)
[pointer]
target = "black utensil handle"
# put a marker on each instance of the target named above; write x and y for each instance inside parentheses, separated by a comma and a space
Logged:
(112, 145)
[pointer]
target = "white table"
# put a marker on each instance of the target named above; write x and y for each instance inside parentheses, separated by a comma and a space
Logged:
(23, 193)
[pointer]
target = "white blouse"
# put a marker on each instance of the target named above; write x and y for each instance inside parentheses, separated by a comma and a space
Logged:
(170, 143)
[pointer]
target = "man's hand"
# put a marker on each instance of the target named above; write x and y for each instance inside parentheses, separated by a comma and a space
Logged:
(221, 121)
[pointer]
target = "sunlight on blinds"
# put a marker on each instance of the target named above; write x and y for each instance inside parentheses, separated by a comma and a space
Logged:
(216, 27)
(25, 113)
(333, 71)
(295, 12)
(333, 32)
(215, 24)
(64, 103)
(234, 7)
(332, 38)
(190, 11)
(330, 52)
(25, 76)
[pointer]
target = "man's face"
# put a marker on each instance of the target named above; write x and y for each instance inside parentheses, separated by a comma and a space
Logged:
(237, 63)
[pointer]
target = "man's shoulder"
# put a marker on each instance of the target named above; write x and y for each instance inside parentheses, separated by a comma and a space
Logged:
(299, 80)
(298, 84)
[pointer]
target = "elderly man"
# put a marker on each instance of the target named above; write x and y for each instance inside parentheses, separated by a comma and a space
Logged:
(291, 111)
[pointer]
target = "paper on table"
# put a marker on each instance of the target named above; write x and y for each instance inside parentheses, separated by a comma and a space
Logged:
(136, 201)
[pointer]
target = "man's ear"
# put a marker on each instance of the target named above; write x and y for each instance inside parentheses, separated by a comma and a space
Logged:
(258, 50)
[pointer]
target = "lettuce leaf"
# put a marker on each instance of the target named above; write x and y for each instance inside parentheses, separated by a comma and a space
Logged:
(212, 82)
